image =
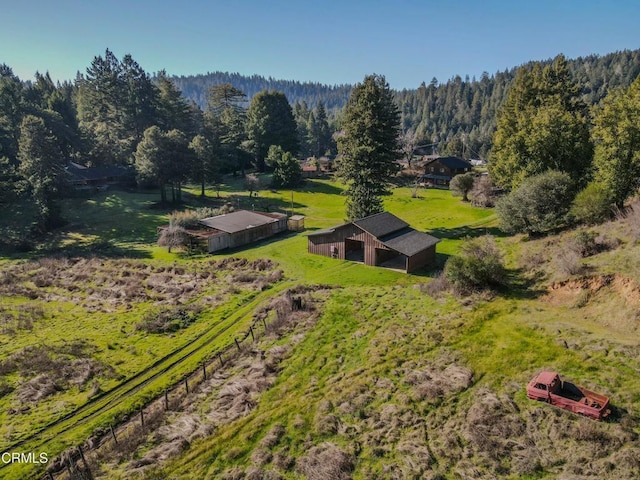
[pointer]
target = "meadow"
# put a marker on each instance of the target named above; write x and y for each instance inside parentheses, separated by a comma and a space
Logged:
(384, 381)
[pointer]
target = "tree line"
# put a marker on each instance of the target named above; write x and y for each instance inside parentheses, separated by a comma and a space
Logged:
(116, 114)
(458, 115)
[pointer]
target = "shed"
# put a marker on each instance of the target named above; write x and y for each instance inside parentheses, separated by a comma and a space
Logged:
(296, 223)
(378, 240)
(242, 227)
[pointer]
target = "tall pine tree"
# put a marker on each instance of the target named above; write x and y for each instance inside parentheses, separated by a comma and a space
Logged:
(369, 146)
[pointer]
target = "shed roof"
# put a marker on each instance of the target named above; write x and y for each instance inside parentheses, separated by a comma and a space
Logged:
(239, 220)
(409, 241)
(381, 224)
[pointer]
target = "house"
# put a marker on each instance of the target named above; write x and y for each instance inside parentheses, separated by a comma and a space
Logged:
(240, 228)
(82, 178)
(440, 170)
(378, 240)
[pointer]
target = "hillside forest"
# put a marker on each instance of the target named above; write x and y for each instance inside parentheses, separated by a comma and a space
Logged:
(117, 114)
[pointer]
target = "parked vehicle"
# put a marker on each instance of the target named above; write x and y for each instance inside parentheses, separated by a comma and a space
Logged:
(548, 387)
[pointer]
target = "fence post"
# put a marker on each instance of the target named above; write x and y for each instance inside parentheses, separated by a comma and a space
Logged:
(204, 370)
(264, 322)
(237, 344)
(113, 434)
(142, 416)
(253, 339)
(166, 399)
(220, 358)
(186, 384)
(84, 460)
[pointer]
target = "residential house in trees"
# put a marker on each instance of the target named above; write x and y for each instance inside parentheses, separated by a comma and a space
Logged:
(440, 170)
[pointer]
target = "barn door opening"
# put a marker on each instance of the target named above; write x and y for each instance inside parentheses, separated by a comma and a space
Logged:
(354, 250)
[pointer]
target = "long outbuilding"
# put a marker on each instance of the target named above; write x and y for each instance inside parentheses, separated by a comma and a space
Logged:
(241, 227)
(378, 240)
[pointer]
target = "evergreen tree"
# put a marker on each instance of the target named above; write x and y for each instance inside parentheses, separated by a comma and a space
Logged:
(617, 137)
(543, 126)
(304, 121)
(320, 132)
(40, 164)
(270, 122)
(173, 110)
(205, 168)
(287, 171)
(152, 162)
(11, 112)
(369, 146)
(116, 103)
(225, 122)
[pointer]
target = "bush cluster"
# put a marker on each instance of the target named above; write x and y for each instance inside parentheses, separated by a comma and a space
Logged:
(478, 266)
(169, 320)
(539, 205)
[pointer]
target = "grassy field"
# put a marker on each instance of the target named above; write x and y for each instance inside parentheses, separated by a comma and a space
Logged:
(385, 382)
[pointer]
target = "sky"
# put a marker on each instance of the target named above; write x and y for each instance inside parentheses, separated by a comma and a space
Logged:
(326, 41)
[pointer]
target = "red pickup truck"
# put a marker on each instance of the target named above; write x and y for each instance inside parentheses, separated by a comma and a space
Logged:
(548, 387)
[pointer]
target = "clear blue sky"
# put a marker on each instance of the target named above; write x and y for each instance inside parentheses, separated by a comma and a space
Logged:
(332, 42)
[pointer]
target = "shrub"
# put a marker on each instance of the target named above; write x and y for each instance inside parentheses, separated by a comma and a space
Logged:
(483, 192)
(190, 218)
(478, 266)
(461, 185)
(592, 205)
(169, 320)
(173, 237)
(540, 204)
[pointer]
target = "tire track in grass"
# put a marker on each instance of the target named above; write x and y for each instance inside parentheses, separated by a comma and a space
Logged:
(170, 363)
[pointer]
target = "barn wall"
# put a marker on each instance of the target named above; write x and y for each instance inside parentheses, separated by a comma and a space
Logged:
(426, 258)
(218, 242)
(322, 244)
(255, 234)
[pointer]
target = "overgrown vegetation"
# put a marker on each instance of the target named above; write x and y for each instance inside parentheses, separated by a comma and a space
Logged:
(540, 204)
(478, 266)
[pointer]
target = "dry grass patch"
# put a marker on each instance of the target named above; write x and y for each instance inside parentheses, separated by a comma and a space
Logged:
(326, 461)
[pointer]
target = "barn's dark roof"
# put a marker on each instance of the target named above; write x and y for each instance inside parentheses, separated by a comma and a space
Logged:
(237, 221)
(409, 241)
(451, 162)
(326, 231)
(381, 224)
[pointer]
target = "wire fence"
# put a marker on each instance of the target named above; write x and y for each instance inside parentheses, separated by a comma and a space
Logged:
(75, 463)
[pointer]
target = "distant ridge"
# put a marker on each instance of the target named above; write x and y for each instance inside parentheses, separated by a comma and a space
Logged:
(195, 87)
(458, 115)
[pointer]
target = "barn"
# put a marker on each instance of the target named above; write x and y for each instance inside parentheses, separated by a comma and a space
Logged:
(240, 228)
(378, 240)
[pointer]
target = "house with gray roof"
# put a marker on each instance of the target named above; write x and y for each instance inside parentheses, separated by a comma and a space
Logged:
(440, 170)
(378, 240)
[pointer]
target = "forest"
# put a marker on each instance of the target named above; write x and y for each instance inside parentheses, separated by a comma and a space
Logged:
(458, 115)
(172, 130)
